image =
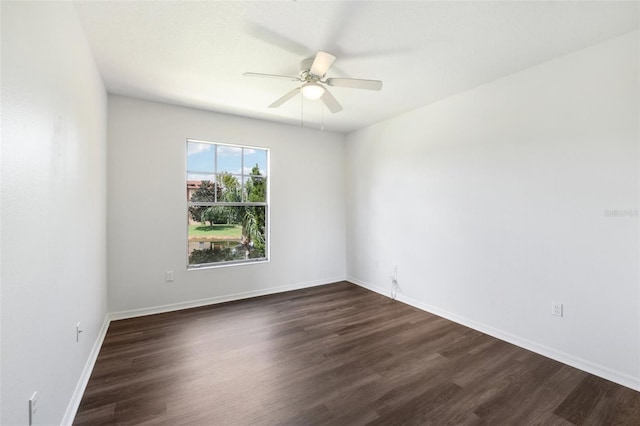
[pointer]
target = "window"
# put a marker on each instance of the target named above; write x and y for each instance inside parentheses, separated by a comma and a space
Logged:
(227, 209)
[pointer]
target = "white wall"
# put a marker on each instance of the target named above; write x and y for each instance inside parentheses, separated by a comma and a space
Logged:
(147, 207)
(493, 204)
(53, 208)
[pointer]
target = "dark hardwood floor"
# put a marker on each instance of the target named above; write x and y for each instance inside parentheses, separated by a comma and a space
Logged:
(339, 355)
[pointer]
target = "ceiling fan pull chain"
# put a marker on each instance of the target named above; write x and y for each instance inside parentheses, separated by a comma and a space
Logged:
(322, 115)
(302, 110)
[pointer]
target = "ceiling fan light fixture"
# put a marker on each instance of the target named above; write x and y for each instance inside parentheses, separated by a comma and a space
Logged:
(312, 91)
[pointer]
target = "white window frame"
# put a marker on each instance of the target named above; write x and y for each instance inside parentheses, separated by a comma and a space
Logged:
(241, 176)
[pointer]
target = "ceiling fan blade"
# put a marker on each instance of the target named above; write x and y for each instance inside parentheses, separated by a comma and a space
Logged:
(281, 77)
(331, 102)
(285, 98)
(355, 83)
(321, 63)
(277, 40)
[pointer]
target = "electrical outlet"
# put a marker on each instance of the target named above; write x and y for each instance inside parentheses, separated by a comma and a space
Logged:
(78, 331)
(169, 276)
(33, 407)
(556, 309)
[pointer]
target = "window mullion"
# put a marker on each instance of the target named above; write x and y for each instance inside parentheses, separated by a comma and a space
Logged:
(215, 173)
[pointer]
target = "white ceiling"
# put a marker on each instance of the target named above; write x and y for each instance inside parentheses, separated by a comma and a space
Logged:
(194, 53)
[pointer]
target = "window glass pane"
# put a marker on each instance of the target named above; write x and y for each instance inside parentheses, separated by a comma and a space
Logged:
(231, 186)
(255, 189)
(200, 157)
(229, 159)
(255, 160)
(227, 233)
(201, 187)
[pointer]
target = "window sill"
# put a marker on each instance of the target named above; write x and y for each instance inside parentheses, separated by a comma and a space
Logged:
(227, 264)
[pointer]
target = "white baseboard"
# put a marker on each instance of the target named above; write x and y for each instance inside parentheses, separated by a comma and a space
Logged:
(72, 408)
(573, 361)
(219, 299)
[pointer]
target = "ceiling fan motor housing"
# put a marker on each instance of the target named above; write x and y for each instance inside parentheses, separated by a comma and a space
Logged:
(305, 70)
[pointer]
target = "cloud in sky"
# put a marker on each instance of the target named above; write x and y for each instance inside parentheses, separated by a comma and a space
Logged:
(200, 176)
(232, 151)
(247, 170)
(196, 148)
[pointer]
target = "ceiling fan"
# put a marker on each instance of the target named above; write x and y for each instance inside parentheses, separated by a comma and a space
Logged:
(312, 72)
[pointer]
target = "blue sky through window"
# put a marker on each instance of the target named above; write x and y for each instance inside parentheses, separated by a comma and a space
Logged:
(201, 157)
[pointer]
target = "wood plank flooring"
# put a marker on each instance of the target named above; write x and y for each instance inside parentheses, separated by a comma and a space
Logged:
(333, 355)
